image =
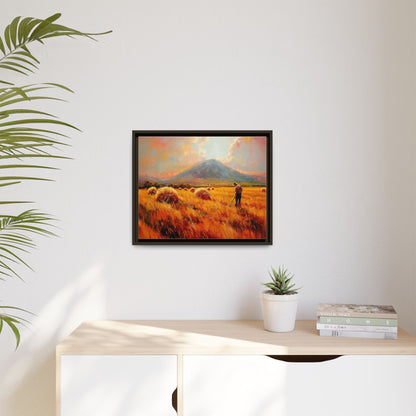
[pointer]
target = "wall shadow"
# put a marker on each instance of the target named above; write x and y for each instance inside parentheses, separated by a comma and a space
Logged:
(28, 378)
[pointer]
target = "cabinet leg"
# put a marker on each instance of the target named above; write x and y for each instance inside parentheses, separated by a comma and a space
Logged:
(179, 389)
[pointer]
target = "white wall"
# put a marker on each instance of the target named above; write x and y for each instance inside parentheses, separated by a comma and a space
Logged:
(333, 79)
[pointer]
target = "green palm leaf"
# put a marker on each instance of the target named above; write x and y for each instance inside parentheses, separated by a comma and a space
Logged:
(21, 32)
(21, 138)
(25, 134)
(16, 233)
(12, 320)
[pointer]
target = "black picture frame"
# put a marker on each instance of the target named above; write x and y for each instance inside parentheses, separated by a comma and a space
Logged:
(136, 186)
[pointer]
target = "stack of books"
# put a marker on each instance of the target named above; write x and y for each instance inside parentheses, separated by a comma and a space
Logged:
(357, 321)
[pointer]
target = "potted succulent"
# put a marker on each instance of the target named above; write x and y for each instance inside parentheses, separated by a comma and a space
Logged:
(280, 301)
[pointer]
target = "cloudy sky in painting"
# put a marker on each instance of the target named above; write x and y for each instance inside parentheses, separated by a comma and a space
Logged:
(166, 156)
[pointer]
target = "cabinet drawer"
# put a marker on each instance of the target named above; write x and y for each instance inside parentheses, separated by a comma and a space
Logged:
(128, 385)
(259, 385)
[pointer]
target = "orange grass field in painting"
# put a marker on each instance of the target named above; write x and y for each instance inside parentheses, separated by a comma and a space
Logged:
(194, 218)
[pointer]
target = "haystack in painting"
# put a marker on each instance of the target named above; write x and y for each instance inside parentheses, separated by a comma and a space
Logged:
(203, 194)
(167, 195)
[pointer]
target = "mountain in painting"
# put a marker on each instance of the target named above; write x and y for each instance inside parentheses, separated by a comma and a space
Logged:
(216, 172)
(148, 178)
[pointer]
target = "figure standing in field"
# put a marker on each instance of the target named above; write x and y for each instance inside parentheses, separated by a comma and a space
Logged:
(238, 190)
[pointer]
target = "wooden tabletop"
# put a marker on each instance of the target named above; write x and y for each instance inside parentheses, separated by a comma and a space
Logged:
(220, 337)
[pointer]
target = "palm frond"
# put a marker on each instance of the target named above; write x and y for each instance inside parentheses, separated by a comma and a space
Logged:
(16, 236)
(12, 320)
(21, 138)
(22, 31)
(25, 134)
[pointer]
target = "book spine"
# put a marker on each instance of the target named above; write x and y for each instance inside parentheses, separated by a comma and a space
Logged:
(389, 329)
(380, 315)
(335, 320)
(356, 334)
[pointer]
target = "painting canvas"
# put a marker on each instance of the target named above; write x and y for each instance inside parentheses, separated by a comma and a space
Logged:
(202, 187)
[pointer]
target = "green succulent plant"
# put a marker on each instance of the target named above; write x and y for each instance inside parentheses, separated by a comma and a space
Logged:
(29, 139)
(281, 282)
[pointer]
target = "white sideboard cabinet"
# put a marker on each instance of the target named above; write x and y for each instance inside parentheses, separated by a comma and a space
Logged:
(223, 368)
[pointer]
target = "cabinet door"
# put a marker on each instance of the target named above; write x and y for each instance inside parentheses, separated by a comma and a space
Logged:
(259, 385)
(117, 385)
(353, 385)
(233, 385)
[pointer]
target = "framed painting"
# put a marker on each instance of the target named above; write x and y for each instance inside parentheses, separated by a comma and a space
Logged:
(202, 187)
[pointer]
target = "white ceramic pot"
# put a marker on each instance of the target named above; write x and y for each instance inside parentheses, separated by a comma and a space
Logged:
(279, 311)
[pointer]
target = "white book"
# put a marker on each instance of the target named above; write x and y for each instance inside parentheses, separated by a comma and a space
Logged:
(356, 328)
(357, 334)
